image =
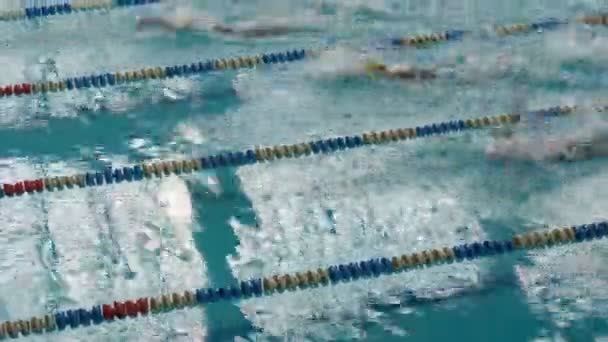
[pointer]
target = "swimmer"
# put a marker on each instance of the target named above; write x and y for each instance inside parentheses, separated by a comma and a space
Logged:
(600, 19)
(347, 62)
(465, 69)
(573, 148)
(371, 9)
(183, 20)
(398, 71)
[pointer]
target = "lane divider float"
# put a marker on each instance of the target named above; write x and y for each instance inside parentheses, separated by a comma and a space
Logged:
(261, 154)
(500, 30)
(148, 73)
(69, 7)
(302, 280)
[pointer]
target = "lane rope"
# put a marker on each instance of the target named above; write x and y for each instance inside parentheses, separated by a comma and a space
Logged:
(158, 73)
(146, 73)
(271, 285)
(499, 30)
(146, 170)
(301, 281)
(64, 7)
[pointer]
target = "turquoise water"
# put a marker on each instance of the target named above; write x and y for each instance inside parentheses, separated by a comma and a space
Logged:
(83, 247)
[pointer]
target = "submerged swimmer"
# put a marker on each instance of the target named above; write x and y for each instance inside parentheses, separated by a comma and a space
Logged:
(398, 71)
(601, 19)
(373, 9)
(344, 62)
(571, 148)
(182, 20)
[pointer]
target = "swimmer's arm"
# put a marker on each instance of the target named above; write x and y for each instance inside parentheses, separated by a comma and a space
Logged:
(410, 74)
(601, 19)
(268, 27)
(256, 31)
(578, 151)
(223, 29)
(584, 149)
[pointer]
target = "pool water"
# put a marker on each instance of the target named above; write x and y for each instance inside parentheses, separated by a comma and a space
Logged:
(95, 245)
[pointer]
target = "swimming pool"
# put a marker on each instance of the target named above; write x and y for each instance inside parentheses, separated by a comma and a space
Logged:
(89, 246)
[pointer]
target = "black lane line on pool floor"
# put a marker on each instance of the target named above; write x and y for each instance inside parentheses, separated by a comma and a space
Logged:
(216, 242)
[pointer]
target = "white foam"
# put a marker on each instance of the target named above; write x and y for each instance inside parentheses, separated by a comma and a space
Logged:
(338, 61)
(100, 254)
(377, 212)
(190, 133)
(174, 198)
(178, 88)
(572, 45)
(23, 277)
(566, 282)
(375, 8)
